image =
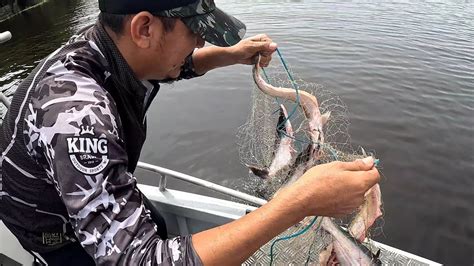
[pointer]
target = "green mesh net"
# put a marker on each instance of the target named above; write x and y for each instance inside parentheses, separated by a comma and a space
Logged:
(303, 243)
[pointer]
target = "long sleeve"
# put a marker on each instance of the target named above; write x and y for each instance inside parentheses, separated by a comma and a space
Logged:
(73, 130)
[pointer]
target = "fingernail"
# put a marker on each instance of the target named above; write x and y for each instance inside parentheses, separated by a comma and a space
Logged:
(369, 160)
(273, 45)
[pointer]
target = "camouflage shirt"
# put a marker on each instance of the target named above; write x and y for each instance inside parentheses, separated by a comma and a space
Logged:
(70, 143)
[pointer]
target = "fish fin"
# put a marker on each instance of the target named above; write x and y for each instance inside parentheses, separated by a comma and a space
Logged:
(377, 255)
(325, 118)
(260, 172)
(293, 150)
(376, 258)
(326, 256)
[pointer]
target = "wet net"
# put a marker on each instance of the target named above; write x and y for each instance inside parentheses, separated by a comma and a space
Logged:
(258, 139)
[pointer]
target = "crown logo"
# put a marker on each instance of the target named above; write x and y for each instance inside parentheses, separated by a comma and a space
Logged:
(86, 130)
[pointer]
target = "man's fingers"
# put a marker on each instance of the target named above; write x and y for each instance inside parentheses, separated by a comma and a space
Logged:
(269, 49)
(373, 177)
(359, 164)
(260, 37)
(259, 44)
(264, 47)
(265, 60)
(369, 178)
(254, 59)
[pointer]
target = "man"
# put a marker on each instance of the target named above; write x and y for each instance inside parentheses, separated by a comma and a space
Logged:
(72, 138)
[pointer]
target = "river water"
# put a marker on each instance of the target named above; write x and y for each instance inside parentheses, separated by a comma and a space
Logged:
(405, 69)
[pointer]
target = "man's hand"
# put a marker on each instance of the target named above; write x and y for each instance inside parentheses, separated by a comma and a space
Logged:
(245, 51)
(334, 189)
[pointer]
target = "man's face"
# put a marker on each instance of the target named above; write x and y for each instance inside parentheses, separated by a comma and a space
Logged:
(169, 49)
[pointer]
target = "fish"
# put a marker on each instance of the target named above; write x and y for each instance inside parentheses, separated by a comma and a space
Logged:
(307, 101)
(344, 249)
(284, 151)
(368, 213)
(316, 121)
(303, 162)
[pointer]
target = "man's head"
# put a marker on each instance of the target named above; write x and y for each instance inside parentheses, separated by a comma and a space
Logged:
(159, 34)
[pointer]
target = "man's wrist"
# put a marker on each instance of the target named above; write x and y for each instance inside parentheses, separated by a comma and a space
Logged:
(226, 56)
(211, 57)
(289, 206)
(231, 54)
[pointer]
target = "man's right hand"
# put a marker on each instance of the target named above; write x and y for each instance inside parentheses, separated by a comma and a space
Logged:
(334, 189)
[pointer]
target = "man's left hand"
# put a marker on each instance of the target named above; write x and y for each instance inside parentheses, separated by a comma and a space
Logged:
(245, 51)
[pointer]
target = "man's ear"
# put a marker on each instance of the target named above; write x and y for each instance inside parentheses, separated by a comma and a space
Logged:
(141, 27)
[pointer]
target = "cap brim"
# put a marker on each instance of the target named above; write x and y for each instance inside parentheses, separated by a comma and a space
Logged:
(217, 27)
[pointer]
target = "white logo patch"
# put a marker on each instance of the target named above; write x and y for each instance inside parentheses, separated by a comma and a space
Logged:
(88, 154)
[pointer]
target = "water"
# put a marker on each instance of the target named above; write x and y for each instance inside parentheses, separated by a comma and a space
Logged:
(404, 69)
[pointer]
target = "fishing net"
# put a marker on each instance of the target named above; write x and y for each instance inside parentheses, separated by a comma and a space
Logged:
(301, 244)
(257, 137)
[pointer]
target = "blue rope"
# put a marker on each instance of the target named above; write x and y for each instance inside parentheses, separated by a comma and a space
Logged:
(376, 162)
(265, 74)
(295, 86)
(287, 70)
(276, 98)
(293, 83)
(290, 236)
